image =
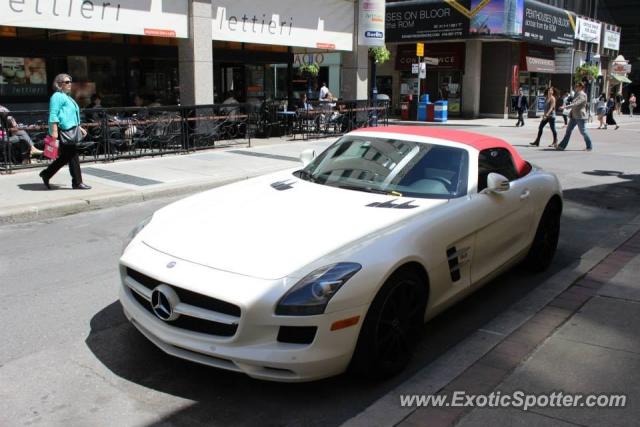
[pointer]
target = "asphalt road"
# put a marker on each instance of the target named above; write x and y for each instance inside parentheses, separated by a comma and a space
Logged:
(69, 357)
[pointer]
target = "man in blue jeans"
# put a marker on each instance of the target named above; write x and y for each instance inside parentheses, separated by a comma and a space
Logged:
(577, 117)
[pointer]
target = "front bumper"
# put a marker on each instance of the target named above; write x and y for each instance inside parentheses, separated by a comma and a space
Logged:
(254, 348)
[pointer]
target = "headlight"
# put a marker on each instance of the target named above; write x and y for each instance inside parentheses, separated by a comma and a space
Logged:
(312, 294)
(137, 229)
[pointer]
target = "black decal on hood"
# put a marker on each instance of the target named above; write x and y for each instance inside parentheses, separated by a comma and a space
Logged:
(390, 205)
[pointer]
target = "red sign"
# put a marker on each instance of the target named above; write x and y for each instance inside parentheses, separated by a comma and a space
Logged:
(159, 33)
(515, 83)
(450, 56)
(330, 46)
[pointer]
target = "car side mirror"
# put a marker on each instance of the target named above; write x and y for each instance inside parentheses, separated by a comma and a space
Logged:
(307, 156)
(497, 183)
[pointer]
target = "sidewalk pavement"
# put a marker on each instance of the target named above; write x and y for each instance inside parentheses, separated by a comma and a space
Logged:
(585, 341)
(530, 123)
(25, 198)
(575, 333)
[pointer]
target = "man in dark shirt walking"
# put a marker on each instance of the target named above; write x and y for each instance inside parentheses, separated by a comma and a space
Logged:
(521, 105)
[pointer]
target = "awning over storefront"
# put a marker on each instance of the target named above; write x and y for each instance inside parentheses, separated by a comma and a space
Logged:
(537, 59)
(139, 17)
(326, 24)
(450, 56)
(621, 79)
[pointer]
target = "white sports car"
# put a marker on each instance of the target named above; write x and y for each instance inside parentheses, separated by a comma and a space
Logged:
(301, 274)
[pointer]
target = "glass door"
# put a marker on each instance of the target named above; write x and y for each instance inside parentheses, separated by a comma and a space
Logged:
(450, 90)
(231, 83)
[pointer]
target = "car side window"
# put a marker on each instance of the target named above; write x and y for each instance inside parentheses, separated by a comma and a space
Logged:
(496, 160)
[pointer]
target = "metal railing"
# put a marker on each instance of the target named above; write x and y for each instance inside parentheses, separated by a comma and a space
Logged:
(119, 133)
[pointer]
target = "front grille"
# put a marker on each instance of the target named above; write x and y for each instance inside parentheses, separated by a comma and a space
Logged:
(188, 297)
(185, 322)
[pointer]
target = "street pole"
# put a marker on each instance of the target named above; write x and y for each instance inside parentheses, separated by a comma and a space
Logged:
(374, 93)
(309, 88)
(588, 61)
(419, 78)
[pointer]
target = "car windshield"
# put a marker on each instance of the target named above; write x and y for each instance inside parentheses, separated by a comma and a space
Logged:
(391, 166)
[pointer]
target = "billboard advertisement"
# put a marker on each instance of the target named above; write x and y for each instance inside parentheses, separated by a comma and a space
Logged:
(423, 20)
(611, 40)
(496, 17)
(548, 25)
(588, 31)
(453, 19)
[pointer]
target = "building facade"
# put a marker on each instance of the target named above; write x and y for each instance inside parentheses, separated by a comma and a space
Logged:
(183, 51)
(486, 50)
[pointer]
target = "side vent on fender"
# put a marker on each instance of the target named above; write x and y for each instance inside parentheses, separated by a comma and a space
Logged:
(454, 266)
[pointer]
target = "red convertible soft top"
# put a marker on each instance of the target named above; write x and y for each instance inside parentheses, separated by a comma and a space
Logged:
(475, 140)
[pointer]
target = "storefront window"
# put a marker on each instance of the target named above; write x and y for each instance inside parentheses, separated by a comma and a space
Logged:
(255, 83)
(23, 76)
(534, 86)
(276, 81)
(154, 79)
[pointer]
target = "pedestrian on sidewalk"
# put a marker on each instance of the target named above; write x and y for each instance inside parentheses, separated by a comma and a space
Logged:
(611, 103)
(562, 101)
(619, 100)
(577, 117)
(521, 105)
(632, 104)
(19, 136)
(601, 111)
(64, 125)
(548, 116)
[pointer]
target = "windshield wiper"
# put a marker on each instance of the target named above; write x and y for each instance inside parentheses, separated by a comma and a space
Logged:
(370, 190)
(307, 176)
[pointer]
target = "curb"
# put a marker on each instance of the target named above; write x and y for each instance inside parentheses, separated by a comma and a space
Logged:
(438, 124)
(49, 210)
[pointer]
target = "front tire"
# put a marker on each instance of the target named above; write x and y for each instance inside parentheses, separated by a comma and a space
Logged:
(391, 327)
(545, 241)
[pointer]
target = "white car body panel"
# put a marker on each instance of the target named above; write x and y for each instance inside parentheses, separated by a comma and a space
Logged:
(248, 243)
(264, 225)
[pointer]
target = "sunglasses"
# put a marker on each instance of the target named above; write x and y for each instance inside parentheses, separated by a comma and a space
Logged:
(66, 82)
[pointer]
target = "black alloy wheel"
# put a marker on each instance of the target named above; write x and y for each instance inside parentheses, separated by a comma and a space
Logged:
(391, 327)
(546, 239)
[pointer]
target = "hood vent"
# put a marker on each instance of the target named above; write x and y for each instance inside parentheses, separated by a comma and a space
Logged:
(390, 205)
(283, 185)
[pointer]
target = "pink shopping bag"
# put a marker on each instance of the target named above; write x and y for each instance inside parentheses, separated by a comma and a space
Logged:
(50, 147)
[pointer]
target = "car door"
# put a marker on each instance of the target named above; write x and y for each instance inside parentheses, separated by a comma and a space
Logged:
(503, 219)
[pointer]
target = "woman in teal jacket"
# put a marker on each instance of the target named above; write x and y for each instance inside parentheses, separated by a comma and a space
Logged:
(64, 115)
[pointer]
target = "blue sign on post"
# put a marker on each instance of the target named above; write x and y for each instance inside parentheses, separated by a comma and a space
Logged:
(374, 34)
(541, 102)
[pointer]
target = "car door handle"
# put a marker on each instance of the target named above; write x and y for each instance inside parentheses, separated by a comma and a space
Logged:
(525, 195)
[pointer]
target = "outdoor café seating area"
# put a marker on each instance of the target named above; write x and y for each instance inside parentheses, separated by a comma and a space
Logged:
(115, 133)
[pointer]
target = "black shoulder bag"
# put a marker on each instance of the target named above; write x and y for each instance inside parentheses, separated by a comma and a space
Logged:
(71, 136)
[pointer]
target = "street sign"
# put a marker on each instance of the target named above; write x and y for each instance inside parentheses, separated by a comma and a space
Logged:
(419, 49)
(415, 68)
(431, 61)
(423, 70)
